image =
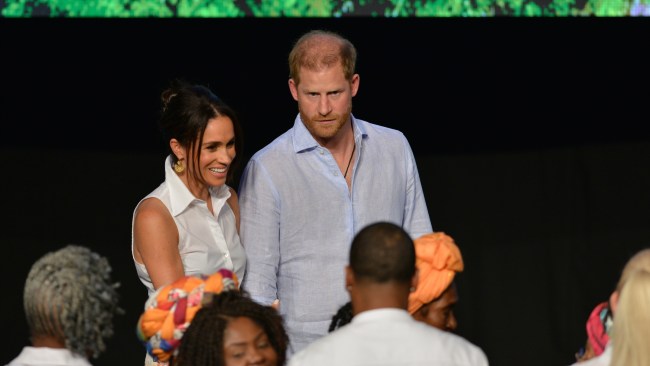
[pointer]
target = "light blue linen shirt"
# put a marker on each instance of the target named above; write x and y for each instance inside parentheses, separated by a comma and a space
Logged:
(298, 218)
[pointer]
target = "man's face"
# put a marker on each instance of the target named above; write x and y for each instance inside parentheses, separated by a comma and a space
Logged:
(324, 100)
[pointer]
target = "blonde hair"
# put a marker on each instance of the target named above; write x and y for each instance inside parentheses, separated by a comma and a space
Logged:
(631, 329)
(639, 261)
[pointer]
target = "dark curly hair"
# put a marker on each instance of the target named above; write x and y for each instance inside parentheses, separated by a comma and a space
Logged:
(203, 342)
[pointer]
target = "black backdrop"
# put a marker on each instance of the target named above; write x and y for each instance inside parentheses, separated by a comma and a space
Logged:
(529, 136)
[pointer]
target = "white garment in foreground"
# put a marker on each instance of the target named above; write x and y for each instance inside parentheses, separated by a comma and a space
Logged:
(389, 337)
(601, 360)
(43, 356)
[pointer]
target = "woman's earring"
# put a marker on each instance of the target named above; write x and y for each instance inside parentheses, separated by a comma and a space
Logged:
(179, 167)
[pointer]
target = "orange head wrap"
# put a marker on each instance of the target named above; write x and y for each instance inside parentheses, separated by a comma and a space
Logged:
(437, 259)
(169, 310)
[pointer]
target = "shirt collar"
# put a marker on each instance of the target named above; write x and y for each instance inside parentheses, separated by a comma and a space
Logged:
(180, 196)
(50, 356)
(384, 314)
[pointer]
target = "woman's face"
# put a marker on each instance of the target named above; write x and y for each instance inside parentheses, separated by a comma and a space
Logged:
(217, 150)
(246, 343)
(440, 312)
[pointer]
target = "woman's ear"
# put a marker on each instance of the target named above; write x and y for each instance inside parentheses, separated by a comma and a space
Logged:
(613, 301)
(177, 149)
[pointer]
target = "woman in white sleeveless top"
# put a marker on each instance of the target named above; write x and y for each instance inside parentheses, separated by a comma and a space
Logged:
(190, 224)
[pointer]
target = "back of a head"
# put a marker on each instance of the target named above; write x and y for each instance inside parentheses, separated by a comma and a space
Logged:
(639, 261)
(320, 49)
(203, 342)
(69, 296)
(383, 252)
(631, 329)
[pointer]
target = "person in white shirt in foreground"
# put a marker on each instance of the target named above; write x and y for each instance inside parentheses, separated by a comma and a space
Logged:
(379, 277)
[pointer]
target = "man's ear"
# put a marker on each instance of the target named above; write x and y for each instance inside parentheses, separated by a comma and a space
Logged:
(414, 280)
(613, 301)
(293, 88)
(354, 84)
(349, 278)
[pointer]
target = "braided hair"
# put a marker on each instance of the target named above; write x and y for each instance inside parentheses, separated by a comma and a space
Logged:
(69, 295)
(342, 317)
(203, 342)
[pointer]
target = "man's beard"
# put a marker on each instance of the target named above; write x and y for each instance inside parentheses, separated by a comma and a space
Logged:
(325, 133)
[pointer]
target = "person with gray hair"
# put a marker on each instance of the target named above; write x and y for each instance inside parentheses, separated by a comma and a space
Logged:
(70, 302)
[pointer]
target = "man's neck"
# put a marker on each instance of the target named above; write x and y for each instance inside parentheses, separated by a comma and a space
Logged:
(380, 297)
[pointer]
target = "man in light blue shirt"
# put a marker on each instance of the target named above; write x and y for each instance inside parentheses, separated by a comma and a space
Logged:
(304, 196)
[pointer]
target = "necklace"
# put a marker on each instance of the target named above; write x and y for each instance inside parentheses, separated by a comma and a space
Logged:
(350, 161)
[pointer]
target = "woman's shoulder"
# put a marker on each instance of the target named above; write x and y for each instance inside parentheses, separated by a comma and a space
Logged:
(233, 193)
(233, 202)
(151, 209)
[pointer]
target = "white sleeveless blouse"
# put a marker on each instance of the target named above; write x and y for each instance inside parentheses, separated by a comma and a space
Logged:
(206, 242)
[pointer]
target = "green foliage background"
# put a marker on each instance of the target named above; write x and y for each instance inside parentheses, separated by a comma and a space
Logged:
(321, 8)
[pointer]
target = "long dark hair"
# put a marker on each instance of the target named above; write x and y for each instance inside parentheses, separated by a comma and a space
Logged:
(186, 110)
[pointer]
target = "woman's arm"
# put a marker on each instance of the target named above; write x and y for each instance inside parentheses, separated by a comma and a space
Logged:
(155, 239)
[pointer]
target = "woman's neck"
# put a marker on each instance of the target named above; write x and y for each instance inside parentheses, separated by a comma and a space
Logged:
(47, 341)
(198, 190)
